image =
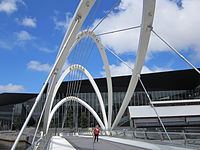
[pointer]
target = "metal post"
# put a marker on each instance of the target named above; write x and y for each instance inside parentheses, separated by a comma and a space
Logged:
(29, 115)
(76, 23)
(12, 117)
(146, 27)
(185, 138)
(155, 110)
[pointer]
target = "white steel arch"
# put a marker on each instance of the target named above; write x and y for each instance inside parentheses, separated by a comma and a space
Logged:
(145, 31)
(79, 17)
(87, 33)
(94, 85)
(70, 37)
(72, 98)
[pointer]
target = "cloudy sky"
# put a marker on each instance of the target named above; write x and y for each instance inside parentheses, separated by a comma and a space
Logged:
(31, 32)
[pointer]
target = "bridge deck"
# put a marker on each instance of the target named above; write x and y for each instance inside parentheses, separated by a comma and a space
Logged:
(111, 143)
(86, 143)
(59, 143)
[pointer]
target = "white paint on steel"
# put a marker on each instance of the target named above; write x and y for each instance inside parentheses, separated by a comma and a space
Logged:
(72, 98)
(76, 23)
(146, 26)
(88, 33)
(106, 65)
(29, 115)
(94, 85)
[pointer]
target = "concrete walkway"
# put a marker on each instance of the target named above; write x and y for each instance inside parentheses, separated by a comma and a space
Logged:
(86, 143)
(59, 143)
(112, 143)
(142, 144)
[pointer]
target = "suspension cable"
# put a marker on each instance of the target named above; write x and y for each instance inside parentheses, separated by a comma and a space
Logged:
(81, 59)
(118, 57)
(79, 84)
(75, 88)
(180, 55)
(116, 4)
(152, 105)
(145, 92)
(39, 120)
(69, 83)
(120, 30)
(86, 58)
(69, 86)
(76, 58)
(94, 14)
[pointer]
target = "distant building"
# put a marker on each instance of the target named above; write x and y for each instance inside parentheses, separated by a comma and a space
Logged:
(163, 86)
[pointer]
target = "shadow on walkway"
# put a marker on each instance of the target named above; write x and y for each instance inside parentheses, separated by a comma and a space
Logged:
(86, 143)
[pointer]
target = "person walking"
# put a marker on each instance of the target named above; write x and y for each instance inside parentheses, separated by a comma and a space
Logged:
(96, 133)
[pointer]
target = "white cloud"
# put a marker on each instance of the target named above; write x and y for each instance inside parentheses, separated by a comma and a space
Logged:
(122, 69)
(29, 22)
(24, 36)
(145, 70)
(37, 66)
(179, 26)
(195, 55)
(5, 45)
(11, 88)
(62, 24)
(9, 6)
(128, 15)
(47, 50)
(161, 69)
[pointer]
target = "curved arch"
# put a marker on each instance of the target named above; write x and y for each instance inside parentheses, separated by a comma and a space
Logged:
(106, 65)
(77, 21)
(145, 32)
(72, 98)
(80, 15)
(94, 85)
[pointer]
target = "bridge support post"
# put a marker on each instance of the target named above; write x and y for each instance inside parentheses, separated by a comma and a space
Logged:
(146, 27)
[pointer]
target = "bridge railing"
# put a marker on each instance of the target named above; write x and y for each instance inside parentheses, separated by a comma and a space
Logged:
(42, 142)
(180, 138)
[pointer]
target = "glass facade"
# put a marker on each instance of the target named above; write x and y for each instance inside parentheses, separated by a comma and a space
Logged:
(139, 98)
(74, 115)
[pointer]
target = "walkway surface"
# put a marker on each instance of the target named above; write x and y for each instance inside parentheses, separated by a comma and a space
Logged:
(86, 143)
(59, 143)
(111, 143)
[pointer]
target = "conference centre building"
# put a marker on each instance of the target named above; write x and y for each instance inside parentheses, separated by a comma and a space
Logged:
(176, 94)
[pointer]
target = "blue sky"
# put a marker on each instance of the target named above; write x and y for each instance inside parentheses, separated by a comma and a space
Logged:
(31, 32)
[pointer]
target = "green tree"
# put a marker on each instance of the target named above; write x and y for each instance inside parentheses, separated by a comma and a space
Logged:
(84, 120)
(17, 123)
(69, 118)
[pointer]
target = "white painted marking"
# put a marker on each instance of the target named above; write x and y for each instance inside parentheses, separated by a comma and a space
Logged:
(59, 143)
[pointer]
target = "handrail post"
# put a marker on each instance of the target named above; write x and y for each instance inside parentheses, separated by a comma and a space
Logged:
(185, 138)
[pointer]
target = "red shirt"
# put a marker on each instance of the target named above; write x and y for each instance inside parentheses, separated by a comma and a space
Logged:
(96, 131)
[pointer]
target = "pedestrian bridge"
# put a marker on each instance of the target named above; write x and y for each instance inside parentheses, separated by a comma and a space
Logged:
(70, 49)
(70, 142)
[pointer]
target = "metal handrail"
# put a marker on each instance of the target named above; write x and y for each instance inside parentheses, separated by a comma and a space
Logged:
(180, 138)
